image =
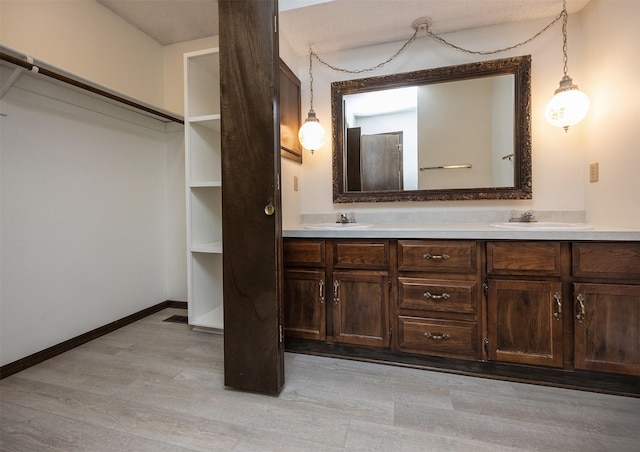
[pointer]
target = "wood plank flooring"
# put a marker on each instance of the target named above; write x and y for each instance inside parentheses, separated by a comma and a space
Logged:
(158, 386)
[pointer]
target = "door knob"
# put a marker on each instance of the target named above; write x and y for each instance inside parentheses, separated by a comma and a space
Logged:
(269, 209)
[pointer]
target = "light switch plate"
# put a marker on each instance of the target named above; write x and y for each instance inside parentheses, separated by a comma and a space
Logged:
(593, 172)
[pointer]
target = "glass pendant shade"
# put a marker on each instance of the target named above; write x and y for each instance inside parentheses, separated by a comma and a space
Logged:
(568, 107)
(311, 134)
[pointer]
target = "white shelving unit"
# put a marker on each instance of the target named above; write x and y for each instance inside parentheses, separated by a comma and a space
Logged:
(203, 188)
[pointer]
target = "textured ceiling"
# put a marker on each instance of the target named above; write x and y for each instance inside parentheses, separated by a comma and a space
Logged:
(169, 21)
(337, 24)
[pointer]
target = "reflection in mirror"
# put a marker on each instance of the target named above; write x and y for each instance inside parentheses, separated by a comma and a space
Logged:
(459, 132)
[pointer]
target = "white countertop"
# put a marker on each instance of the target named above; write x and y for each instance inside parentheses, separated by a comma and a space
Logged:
(462, 231)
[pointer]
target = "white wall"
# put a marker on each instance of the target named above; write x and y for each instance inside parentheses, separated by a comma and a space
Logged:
(84, 228)
(558, 169)
(442, 108)
(175, 215)
(502, 168)
(609, 76)
(291, 169)
(86, 39)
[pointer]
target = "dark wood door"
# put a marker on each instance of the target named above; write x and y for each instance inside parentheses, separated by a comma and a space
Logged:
(251, 223)
(354, 179)
(525, 322)
(304, 304)
(361, 307)
(607, 328)
(381, 162)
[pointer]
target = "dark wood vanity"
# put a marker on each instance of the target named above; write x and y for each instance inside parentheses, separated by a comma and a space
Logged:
(563, 313)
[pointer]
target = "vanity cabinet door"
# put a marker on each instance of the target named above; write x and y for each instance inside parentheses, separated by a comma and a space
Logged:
(361, 307)
(525, 322)
(607, 328)
(304, 304)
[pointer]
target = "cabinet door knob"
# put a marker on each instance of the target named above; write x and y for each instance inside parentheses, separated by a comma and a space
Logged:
(269, 209)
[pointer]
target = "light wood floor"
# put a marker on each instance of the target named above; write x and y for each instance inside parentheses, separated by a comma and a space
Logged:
(158, 386)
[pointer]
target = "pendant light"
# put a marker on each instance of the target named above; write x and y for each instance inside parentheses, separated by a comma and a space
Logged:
(569, 105)
(311, 134)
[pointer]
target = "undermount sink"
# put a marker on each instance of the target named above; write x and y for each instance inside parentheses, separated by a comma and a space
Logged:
(543, 226)
(337, 226)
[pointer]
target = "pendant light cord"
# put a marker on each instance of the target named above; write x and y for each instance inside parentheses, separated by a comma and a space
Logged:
(372, 68)
(505, 49)
(422, 26)
(565, 58)
(311, 79)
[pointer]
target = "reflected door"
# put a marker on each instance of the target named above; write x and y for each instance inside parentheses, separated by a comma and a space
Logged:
(381, 162)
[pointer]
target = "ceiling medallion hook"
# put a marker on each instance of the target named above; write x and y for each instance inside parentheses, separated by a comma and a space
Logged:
(422, 24)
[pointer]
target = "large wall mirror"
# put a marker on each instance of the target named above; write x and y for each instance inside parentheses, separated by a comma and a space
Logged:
(450, 133)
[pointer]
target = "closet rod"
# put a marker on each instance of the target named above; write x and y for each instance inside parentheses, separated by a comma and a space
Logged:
(87, 87)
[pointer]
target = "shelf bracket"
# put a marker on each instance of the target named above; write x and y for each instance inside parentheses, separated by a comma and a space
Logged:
(12, 78)
(15, 74)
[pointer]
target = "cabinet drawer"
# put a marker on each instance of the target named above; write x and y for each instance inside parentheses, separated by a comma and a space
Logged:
(523, 258)
(307, 253)
(607, 259)
(438, 337)
(438, 295)
(437, 256)
(361, 255)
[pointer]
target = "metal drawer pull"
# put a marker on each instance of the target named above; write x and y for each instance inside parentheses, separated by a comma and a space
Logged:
(581, 315)
(558, 299)
(429, 295)
(442, 256)
(321, 284)
(336, 291)
(437, 337)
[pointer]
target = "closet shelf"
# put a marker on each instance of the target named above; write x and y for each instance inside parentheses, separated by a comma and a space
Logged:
(211, 247)
(212, 320)
(205, 184)
(41, 68)
(208, 121)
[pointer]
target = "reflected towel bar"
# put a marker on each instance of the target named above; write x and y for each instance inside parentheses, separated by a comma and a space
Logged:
(465, 165)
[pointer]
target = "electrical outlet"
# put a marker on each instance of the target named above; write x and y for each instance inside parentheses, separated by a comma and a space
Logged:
(295, 183)
(593, 172)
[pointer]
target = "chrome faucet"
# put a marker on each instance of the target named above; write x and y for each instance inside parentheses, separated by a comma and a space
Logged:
(343, 218)
(524, 217)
